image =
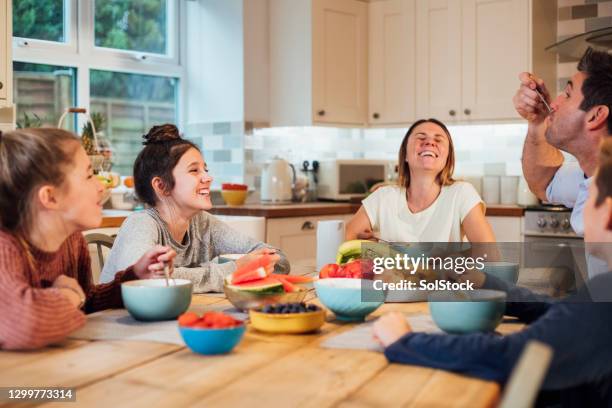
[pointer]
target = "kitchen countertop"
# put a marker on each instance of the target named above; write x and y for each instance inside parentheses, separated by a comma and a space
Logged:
(114, 218)
(330, 208)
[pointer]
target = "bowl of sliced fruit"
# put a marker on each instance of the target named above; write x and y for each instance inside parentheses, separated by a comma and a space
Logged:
(211, 333)
(252, 287)
(289, 318)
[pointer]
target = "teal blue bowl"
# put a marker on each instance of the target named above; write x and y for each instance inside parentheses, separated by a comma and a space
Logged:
(480, 311)
(343, 296)
(212, 341)
(506, 271)
(151, 300)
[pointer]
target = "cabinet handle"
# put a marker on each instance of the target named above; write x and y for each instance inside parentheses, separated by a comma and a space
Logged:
(1, 85)
(308, 226)
(467, 112)
(452, 112)
(321, 113)
(376, 116)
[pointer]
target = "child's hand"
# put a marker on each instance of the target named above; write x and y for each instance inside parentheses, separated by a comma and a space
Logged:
(71, 289)
(151, 265)
(390, 327)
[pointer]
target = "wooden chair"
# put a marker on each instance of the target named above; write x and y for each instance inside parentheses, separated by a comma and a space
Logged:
(527, 376)
(100, 241)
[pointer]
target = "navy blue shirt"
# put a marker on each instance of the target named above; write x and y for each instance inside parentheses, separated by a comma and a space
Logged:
(579, 330)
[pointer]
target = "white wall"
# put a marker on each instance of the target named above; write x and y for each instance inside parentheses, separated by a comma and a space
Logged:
(214, 61)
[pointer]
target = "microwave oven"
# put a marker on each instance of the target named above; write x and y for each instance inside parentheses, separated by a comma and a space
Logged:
(343, 180)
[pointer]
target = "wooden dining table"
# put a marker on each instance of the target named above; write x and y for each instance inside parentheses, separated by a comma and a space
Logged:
(264, 370)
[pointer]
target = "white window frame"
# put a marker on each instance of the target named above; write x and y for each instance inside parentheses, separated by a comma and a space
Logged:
(80, 52)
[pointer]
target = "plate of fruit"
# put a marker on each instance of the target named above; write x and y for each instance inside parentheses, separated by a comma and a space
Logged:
(252, 287)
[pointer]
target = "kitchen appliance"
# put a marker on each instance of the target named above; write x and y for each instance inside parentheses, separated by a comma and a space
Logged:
(277, 181)
(343, 180)
(575, 46)
(553, 253)
(310, 173)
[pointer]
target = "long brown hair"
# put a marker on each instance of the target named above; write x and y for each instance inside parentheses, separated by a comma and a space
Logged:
(445, 177)
(30, 158)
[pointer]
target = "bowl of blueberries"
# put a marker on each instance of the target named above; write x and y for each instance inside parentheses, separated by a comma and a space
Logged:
(288, 318)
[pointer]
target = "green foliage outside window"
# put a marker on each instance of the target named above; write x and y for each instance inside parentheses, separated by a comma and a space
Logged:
(39, 19)
(135, 25)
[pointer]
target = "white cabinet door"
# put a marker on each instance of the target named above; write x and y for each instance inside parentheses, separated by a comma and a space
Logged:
(4, 44)
(297, 236)
(392, 51)
(506, 229)
(438, 60)
(339, 61)
(495, 49)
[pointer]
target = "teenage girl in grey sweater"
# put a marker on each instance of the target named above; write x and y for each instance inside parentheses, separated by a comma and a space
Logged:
(170, 175)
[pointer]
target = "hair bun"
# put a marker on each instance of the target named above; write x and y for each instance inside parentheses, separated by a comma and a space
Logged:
(161, 134)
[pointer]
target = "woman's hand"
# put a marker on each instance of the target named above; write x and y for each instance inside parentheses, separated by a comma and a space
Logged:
(251, 256)
(71, 289)
(151, 265)
(390, 328)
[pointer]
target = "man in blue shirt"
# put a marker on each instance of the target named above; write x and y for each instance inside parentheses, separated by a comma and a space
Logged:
(579, 119)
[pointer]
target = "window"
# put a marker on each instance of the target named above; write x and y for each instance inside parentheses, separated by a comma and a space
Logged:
(133, 103)
(125, 67)
(39, 19)
(42, 93)
(131, 25)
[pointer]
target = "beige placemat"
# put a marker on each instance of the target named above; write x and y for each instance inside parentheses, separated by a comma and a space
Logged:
(117, 324)
(361, 337)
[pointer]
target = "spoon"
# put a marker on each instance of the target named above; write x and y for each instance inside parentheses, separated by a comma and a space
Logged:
(538, 91)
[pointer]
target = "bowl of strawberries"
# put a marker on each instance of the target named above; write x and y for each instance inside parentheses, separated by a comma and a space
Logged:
(234, 194)
(212, 333)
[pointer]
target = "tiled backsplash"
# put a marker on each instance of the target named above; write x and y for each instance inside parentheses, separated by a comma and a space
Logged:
(479, 149)
(577, 17)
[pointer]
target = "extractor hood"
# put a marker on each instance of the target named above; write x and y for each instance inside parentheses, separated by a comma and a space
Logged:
(576, 45)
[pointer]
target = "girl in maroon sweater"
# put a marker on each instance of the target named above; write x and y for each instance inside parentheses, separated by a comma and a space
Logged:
(48, 195)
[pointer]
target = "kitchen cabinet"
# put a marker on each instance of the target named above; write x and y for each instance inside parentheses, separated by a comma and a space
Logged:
(318, 62)
(470, 52)
(5, 52)
(297, 236)
(392, 64)
(507, 229)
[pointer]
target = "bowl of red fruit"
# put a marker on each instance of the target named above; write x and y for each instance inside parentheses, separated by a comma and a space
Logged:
(234, 194)
(211, 333)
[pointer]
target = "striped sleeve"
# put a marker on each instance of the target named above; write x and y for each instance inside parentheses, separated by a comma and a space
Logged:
(103, 296)
(31, 317)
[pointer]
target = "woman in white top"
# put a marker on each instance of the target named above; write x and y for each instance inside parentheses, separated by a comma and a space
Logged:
(427, 205)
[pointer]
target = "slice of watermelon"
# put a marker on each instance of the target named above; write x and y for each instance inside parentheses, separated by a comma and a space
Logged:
(249, 276)
(259, 262)
(288, 286)
(294, 278)
(266, 284)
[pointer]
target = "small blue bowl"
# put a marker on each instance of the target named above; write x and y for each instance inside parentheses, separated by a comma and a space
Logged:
(212, 341)
(507, 271)
(481, 311)
(343, 296)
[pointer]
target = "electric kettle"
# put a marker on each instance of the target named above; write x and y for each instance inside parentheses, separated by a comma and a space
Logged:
(277, 180)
